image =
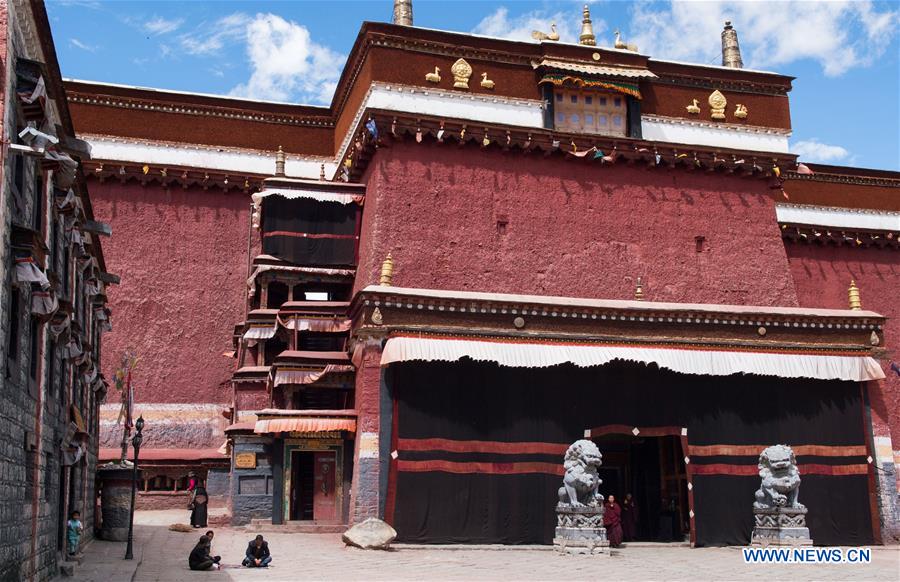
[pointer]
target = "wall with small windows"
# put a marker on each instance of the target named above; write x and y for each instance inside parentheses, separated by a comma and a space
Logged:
(43, 391)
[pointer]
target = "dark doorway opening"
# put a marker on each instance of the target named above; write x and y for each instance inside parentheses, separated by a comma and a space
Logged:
(652, 470)
(314, 486)
(302, 479)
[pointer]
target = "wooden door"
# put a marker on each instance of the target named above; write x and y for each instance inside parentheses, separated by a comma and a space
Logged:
(324, 499)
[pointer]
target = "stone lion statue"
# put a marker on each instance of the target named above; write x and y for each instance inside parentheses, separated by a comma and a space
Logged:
(581, 483)
(780, 479)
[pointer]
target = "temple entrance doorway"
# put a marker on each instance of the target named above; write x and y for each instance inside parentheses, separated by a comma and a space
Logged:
(313, 495)
(652, 469)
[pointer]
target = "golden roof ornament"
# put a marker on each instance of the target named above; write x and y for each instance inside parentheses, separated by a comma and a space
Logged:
(639, 290)
(485, 82)
(621, 44)
(717, 103)
(403, 13)
(387, 271)
(731, 50)
(322, 173)
(740, 111)
(587, 29)
(434, 77)
(461, 71)
(552, 35)
(279, 162)
(853, 296)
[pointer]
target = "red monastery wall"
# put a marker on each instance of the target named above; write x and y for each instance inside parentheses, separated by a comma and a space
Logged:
(571, 228)
(822, 275)
(182, 257)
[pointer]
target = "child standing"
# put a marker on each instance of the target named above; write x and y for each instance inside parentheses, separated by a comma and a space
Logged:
(74, 529)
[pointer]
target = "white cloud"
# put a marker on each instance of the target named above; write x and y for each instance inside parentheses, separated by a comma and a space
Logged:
(287, 64)
(83, 46)
(159, 25)
(812, 150)
(209, 39)
(839, 34)
(520, 27)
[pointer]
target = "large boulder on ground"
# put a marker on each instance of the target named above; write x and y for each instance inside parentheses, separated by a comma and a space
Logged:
(372, 534)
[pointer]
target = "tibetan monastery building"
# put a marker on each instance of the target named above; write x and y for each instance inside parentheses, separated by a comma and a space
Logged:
(408, 303)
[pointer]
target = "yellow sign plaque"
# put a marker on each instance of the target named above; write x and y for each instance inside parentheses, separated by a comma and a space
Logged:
(245, 461)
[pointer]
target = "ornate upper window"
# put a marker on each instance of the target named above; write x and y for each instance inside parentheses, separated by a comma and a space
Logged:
(590, 111)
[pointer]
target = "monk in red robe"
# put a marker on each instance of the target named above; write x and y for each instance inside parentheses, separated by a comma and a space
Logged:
(612, 521)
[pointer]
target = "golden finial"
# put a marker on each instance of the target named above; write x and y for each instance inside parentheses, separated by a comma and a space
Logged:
(853, 294)
(639, 290)
(279, 162)
(387, 271)
(322, 172)
(587, 30)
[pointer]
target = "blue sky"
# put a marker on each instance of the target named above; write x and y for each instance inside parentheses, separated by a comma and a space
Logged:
(845, 104)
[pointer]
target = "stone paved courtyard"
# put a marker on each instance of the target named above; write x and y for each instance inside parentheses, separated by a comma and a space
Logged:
(161, 556)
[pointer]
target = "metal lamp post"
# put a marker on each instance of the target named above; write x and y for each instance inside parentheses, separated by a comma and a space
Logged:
(136, 443)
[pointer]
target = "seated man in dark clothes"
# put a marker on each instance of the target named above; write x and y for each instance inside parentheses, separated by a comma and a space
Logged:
(200, 558)
(257, 554)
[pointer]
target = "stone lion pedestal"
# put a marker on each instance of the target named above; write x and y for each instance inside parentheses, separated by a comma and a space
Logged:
(780, 526)
(579, 530)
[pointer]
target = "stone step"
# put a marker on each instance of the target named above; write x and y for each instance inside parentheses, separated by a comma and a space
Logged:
(296, 527)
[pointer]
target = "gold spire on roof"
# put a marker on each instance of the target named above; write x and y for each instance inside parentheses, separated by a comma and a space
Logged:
(731, 51)
(639, 290)
(403, 13)
(853, 295)
(279, 162)
(587, 30)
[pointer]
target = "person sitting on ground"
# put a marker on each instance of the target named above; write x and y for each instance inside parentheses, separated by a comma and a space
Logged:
(200, 558)
(210, 534)
(258, 554)
(74, 529)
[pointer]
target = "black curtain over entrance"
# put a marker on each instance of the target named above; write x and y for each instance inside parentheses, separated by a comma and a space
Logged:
(308, 232)
(473, 401)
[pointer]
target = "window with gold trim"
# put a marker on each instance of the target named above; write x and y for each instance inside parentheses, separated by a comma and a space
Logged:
(590, 112)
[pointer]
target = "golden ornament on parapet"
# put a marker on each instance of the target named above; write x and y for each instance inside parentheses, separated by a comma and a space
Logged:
(434, 77)
(740, 111)
(717, 103)
(461, 72)
(485, 82)
(693, 108)
(552, 35)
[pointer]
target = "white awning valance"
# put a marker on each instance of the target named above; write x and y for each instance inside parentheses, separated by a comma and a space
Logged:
(260, 332)
(304, 193)
(686, 361)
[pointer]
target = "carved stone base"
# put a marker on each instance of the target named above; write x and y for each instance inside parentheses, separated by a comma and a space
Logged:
(780, 526)
(580, 530)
